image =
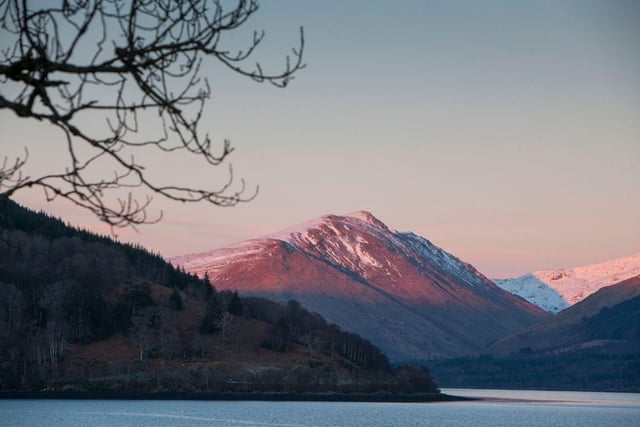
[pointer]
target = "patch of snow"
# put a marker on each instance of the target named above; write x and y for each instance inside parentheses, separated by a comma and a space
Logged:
(572, 285)
(444, 260)
(535, 291)
(296, 230)
(342, 239)
(365, 257)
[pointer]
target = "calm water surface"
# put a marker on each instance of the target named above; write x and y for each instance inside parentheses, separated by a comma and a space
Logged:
(535, 408)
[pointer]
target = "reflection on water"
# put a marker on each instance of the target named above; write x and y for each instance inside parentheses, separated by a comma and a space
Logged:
(577, 397)
(532, 408)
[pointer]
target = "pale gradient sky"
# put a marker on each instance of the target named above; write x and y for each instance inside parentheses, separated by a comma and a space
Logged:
(506, 132)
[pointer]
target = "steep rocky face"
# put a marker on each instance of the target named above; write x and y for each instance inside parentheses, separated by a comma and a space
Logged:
(555, 290)
(397, 289)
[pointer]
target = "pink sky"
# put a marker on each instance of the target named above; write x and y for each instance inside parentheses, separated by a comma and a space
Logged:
(506, 133)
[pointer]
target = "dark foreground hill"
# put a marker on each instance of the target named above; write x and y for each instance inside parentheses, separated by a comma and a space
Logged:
(82, 312)
(594, 344)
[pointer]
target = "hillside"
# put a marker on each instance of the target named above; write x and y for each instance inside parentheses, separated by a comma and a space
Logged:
(592, 345)
(555, 290)
(397, 289)
(83, 312)
(609, 317)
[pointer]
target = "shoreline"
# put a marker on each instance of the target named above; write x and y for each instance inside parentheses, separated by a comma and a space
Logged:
(236, 396)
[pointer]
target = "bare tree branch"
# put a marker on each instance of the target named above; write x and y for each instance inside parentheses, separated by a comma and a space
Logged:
(56, 58)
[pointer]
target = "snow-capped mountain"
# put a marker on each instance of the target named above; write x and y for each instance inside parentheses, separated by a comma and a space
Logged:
(555, 290)
(608, 318)
(397, 289)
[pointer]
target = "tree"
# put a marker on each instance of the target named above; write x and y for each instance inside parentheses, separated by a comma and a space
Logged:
(223, 324)
(211, 321)
(144, 331)
(69, 62)
(175, 300)
(280, 336)
(235, 305)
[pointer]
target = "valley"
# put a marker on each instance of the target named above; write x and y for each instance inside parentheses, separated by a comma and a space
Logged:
(339, 304)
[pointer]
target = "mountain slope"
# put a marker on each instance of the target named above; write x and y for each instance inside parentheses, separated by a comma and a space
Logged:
(397, 289)
(82, 312)
(592, 345)
(555, 290)
(608, 317)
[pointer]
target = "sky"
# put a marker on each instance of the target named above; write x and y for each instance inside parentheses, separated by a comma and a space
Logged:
(506, 132)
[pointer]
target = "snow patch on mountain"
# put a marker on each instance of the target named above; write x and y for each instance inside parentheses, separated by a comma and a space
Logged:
(218, 259)
(445, 261)
(555, 290)
(343, 241)
(535, 291)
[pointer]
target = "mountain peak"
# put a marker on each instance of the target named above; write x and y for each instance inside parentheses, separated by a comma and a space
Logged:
(368, 217)
(339, 224)
(391, 287)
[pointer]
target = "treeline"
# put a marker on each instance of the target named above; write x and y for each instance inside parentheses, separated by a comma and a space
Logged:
(620, 322)
(578, 370)
(33, 242)
(62, 286)
(600, 352)
(292, 324)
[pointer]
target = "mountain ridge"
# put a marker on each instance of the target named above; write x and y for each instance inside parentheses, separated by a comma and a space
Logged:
(397, 289)
(556, 290)
(592, 345)
(571, 327)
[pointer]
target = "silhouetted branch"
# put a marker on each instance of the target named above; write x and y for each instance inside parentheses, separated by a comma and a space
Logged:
(57, 60)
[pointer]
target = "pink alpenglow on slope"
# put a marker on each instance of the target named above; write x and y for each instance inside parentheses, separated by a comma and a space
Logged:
(555, 290)
(397, 289)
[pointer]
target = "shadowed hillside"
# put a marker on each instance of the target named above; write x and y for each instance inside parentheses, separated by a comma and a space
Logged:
(608, 318)
(83, 312)
(592, 345)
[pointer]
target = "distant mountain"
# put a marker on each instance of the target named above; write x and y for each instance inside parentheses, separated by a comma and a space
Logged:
(397, 289)
(555, 290)
(608, 318)
(592, 345)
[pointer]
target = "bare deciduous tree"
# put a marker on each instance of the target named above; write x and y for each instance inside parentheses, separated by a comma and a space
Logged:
(68, 62)
(144, 332)
(224, 323)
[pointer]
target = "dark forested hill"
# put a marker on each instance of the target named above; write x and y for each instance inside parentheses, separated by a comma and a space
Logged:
(81, 311)
(609, 319)
(594, 345)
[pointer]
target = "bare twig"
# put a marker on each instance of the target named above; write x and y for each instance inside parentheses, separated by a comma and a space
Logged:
(149, 52)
